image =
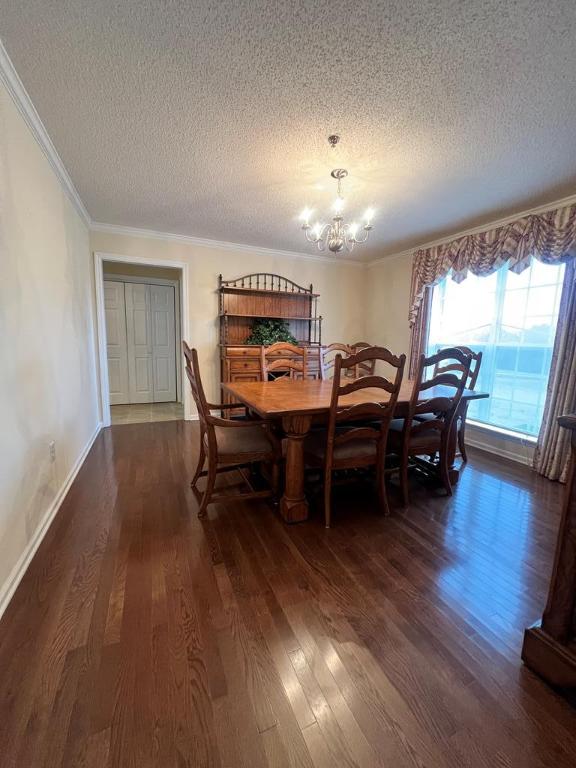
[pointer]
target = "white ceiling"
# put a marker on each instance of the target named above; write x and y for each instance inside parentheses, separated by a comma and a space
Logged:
(209, 118)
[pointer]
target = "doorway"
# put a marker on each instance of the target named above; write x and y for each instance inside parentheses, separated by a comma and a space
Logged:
(140, 327)
(140, 341)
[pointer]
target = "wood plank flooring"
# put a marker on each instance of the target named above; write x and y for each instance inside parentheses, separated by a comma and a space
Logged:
(141, 636)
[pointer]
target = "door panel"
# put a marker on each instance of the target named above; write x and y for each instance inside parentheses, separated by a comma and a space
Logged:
(141, 328)
(162, 302)
(142, 380)
(116, 347)
(138, 328)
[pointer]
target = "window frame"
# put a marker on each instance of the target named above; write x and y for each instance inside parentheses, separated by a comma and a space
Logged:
(494, 343)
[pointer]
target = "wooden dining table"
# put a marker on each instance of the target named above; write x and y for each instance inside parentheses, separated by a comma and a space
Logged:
(297, 405)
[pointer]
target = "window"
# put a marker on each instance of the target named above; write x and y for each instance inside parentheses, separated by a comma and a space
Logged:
(512, 320)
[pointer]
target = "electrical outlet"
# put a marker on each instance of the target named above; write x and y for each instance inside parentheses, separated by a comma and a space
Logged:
(52, 449)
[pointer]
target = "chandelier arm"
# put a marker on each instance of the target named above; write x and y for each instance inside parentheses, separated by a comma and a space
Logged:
(349, 239)
(325, 235)
(311, 238)
(362, 239)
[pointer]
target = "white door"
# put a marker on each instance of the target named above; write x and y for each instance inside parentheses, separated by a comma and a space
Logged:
(162, 307)
(139, 334)
(115, 313)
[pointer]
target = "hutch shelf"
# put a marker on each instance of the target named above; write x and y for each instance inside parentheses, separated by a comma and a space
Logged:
(263, 295)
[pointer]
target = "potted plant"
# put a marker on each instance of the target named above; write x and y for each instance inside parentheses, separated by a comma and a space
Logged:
(266, 331)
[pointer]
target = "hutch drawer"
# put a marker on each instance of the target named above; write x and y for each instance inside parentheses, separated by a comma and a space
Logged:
(243, 365)
(250, 351)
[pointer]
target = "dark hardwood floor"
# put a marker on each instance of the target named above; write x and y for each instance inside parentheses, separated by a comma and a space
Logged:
(142, 636)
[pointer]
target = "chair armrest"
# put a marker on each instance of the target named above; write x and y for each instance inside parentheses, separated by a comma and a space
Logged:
(229, 406)
(218, 422)
(224, 406)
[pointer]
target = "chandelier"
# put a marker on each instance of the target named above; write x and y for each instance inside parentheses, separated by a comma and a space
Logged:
(337, 235)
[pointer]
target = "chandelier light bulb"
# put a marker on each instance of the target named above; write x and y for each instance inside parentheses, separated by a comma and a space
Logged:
(353, 229)
(338, 206)
(305, 215)
(317, 229)
(368, 216)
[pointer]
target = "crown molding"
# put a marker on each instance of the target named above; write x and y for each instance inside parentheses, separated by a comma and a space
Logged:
(23, 102)
(562, 203)
(117, 229)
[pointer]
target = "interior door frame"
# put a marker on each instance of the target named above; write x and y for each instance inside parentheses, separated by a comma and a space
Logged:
(182, 297)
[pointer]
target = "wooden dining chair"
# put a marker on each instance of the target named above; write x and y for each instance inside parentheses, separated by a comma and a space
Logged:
(414, 437)
(228, 444)
(367, 368)
(288, 360)
(328, 358)
(357, 433)
(475, 363)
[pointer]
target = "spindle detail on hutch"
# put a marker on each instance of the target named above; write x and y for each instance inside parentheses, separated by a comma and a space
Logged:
(263, 295)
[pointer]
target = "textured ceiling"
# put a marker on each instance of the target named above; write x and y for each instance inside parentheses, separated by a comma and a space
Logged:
(210, 118)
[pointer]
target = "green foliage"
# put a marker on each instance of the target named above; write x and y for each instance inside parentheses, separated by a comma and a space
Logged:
(266, 331)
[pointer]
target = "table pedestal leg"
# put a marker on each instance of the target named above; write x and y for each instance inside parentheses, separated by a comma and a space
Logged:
(293, 504)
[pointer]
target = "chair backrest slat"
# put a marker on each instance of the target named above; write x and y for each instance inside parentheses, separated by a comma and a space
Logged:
(365, 383)
(452, 379)
(283, 354)
(328, 358)
(365, 367)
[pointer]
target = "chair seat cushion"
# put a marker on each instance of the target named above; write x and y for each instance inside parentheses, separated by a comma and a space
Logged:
(242, 440)
(315, 445)
(425, 417)
(426, 440)
(397, 425)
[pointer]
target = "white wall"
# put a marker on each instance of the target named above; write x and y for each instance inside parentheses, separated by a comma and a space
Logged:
(388, 300)
(47, 375)
(340, 287)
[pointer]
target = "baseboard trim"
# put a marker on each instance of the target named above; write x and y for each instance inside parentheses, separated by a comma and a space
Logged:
(17, 573)
(519, 458)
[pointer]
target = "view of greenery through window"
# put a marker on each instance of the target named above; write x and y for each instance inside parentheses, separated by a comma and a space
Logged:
(512, 320)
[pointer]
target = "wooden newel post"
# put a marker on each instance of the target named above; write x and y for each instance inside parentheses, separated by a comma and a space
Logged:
(550, 648)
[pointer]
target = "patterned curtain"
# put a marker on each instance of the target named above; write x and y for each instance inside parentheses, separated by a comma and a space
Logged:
(549, 237)
(553, 448)
(419, 332)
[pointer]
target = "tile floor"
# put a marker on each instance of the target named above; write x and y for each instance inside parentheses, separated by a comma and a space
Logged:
(146, 412)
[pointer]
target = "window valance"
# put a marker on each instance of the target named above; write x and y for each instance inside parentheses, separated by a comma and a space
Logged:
(549, 237)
